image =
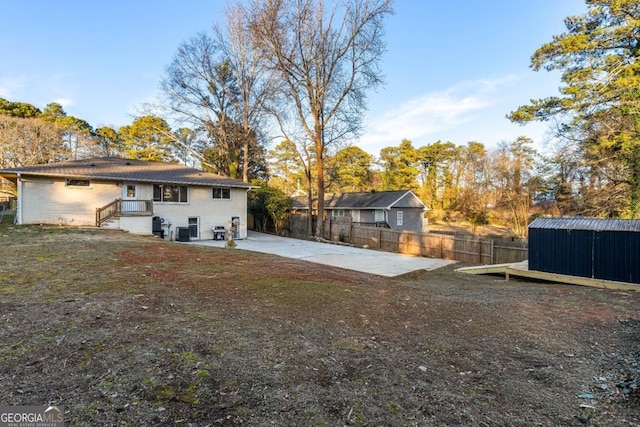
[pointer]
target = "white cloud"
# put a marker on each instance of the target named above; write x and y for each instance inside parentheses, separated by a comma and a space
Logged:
(423, 116)
(38, 90)
(11, 84)
(65, 102)
(437, 115)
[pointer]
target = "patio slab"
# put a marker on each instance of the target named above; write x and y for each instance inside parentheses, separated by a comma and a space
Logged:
(348, 257)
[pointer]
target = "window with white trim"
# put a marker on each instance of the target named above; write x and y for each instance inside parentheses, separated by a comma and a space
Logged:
(399, 218)
(379, 215)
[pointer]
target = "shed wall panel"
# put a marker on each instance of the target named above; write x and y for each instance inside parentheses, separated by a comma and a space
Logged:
(600, 249)
(560, 251)
(617, 256)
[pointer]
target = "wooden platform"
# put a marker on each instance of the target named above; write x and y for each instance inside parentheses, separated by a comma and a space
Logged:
(521, 269)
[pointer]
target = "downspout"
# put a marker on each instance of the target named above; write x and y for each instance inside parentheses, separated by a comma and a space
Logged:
(18, 212)
(246, 214)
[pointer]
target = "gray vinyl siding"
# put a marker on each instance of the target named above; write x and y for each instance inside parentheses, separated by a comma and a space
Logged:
(367, 215)
(412, 219)
(409, 200)
(391, 202)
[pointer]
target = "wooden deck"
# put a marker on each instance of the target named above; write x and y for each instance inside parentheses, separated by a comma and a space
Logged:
(521, 269)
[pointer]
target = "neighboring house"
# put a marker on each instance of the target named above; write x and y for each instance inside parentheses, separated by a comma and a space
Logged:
(6, 197)
(6, 193)
(398, 210)
(132, 195)
(300, 205)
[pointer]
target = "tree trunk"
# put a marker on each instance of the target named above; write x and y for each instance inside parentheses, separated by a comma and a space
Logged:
(320, 171)
(245, 157)
(634, 181)
(310, 201)
(245, 146)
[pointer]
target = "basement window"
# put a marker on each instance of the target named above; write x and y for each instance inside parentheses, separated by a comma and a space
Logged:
(78, 183)
(222, 193)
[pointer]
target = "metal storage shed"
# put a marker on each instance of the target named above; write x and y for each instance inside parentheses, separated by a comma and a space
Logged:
(607, 249)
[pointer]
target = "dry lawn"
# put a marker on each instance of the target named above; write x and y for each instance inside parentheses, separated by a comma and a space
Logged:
(128, 330)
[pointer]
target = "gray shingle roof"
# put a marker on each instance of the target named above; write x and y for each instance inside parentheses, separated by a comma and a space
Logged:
(300, 202)
(369, 200)
(116, 169)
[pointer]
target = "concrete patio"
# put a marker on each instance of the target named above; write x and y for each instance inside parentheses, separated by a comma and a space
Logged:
(342, 256)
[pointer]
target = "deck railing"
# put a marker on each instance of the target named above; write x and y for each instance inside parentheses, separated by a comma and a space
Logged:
(120, 207)
(379, 224)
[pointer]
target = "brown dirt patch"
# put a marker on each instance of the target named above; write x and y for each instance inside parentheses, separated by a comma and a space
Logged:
(128, 330)
(463, 228)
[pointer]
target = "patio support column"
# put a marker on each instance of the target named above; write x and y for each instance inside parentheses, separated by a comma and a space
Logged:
(18, 212)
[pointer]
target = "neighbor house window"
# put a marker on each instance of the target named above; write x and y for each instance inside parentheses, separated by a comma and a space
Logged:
(221, 193)
(399, 218)
(170, 193)
(78, 183)
(379, 215)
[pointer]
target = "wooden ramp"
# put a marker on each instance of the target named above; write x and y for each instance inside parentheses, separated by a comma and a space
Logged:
(521, 269)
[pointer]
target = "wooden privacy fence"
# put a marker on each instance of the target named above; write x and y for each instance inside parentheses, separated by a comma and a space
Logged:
(433, 245)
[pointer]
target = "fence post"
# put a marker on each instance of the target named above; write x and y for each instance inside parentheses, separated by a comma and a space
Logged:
(493, 252)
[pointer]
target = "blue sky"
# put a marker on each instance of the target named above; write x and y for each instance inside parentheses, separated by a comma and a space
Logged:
(454, 68)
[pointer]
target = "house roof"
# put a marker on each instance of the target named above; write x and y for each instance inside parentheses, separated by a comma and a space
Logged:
(116, 169)
(590, 224)
(368, 200)
(301, 202)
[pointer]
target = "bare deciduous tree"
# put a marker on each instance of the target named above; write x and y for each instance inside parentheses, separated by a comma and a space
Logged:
(327, 60)
(255, 83)
(30, 141)
(200, 88)
(219, 83)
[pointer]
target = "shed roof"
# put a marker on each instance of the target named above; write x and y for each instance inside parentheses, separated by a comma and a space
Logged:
(117, 169)
(594, 224)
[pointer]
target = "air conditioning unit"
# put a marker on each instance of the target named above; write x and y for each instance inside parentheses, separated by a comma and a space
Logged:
(182, 234)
